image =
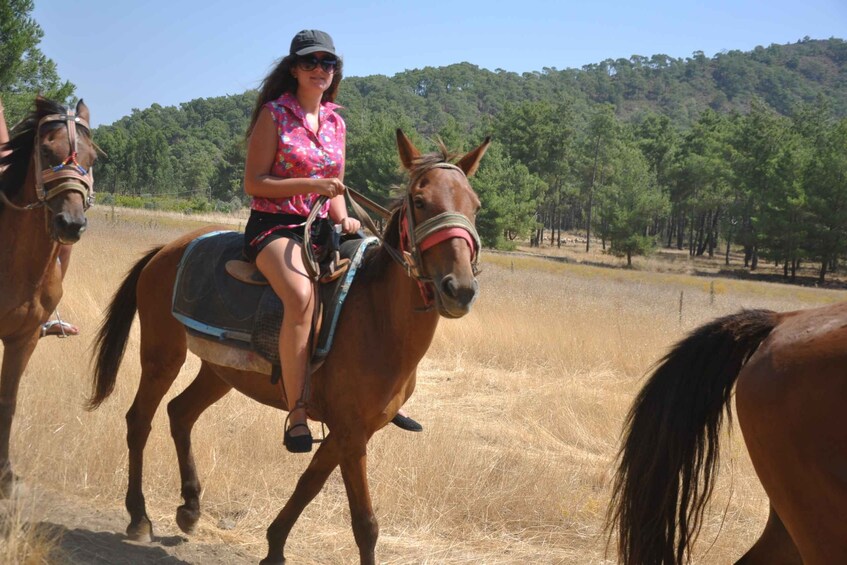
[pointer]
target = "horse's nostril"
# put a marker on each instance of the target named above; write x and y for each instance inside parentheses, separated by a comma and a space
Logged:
(69, 226)
(449, 286)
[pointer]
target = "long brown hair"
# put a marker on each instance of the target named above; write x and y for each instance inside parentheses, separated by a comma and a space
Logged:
(280, 80)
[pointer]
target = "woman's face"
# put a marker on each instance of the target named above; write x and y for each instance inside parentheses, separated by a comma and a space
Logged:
(314, 72)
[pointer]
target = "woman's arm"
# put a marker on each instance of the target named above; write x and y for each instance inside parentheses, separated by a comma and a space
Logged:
(261, 152)
(338, 207)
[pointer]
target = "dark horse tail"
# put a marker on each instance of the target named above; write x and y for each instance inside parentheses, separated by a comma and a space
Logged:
(670, 449)
(113, 335)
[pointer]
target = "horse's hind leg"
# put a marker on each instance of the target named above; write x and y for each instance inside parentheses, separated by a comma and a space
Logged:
(162, 356)
(774, 546)
(183, 411)
(308, 486)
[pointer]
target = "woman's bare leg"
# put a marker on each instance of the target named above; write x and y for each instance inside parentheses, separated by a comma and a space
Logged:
(282, 264)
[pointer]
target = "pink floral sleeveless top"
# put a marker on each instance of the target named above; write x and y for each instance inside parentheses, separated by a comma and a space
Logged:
(302, 153)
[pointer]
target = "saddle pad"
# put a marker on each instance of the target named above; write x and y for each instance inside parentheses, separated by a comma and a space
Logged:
(209, 301)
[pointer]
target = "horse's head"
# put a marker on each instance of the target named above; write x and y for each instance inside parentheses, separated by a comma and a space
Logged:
(440, 213)
(64, 155)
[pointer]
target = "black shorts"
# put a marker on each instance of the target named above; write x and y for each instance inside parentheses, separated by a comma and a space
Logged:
(264, 227)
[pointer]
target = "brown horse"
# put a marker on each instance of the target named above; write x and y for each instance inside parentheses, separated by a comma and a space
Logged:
(385, 329)
(45, 188)
(790, 375)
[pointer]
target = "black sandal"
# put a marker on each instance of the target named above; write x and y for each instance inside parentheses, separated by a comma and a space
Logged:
(298, 444)
(406, 423)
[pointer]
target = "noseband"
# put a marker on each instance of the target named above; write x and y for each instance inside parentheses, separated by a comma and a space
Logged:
(431, 232)
(73, 176)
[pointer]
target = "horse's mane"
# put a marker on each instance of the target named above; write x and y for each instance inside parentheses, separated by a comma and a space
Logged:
(377, 259)
(15, 165)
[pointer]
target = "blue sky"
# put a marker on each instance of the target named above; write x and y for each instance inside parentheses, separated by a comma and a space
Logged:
(125, 55)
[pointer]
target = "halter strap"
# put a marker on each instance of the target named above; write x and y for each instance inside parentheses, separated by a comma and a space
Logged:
(73, 175)
(436, 229)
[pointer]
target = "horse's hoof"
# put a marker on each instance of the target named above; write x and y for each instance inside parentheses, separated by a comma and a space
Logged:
(186, 519)
(272, 561)
(141, 532)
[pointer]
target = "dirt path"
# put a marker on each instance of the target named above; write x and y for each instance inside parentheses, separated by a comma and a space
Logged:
(87, 534)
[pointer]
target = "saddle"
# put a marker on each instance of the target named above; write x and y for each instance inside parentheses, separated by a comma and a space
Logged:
(235, 322)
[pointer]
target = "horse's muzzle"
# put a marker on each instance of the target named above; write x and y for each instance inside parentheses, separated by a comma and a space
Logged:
(68, 228)
(454, 297)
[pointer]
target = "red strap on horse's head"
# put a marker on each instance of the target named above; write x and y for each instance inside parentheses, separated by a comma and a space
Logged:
(450, 233)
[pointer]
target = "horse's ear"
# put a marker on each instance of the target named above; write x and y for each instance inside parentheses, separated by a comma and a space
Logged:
(470, 162)
(408, 152)
(82, 111)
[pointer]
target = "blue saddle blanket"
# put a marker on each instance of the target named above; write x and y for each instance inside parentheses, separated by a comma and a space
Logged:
(209, 301)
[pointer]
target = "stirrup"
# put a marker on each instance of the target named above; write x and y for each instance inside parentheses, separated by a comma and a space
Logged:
(298, 444)
(64, 329)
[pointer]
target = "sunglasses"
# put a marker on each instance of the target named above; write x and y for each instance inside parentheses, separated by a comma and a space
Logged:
(310, 62)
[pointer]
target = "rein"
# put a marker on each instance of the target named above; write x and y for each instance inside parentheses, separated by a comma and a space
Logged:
(72, 175)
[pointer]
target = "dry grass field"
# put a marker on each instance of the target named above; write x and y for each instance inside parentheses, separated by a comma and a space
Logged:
(522, 403)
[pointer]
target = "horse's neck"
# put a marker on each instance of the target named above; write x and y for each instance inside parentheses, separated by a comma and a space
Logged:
(409, 327)
(27, 251)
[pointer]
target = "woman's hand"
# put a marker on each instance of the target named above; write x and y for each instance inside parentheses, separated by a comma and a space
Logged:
(329, 187)
(350, 225)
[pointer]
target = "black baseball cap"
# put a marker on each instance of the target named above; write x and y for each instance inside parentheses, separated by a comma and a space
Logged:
(312, 41)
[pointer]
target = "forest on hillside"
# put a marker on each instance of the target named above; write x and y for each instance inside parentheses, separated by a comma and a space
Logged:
(703, 153)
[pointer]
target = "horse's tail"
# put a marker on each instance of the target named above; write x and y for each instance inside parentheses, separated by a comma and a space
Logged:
(668, 459)
(111, 340)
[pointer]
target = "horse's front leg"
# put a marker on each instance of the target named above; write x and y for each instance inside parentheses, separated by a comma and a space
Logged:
(308, 486)
(16, 354)
(355, 473)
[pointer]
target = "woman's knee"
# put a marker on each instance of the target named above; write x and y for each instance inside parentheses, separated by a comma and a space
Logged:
(298, 302)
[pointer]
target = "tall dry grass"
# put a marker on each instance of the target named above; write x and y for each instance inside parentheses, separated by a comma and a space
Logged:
(522, 403)
(23, 541)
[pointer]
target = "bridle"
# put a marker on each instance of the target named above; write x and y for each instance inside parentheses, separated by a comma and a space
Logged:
(414, 239)
(72, 175)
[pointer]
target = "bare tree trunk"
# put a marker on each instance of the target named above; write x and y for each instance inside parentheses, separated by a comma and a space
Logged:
(691, 239)
(728, 245)
(701, 233)
(591, 196)
(713, 233)
(671, 229)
